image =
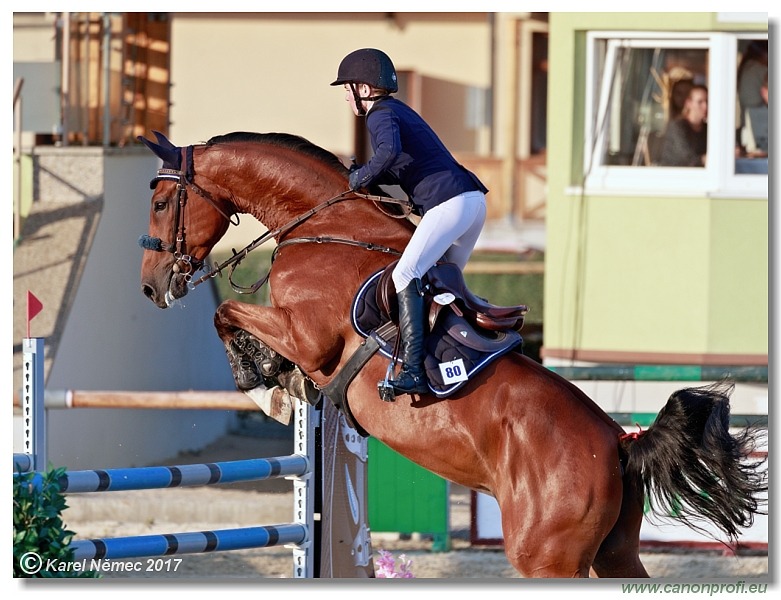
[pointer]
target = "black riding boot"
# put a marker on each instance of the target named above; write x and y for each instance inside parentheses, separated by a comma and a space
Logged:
(412, 377)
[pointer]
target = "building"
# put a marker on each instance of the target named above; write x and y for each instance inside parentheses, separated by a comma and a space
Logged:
(644, 263)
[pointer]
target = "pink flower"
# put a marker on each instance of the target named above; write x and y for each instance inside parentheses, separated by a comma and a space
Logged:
(385, 566)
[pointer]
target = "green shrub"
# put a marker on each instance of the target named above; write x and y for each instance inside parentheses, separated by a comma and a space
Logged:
(41, 541)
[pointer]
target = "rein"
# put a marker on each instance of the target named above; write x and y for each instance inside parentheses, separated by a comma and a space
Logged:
(234, 261)
(185, 263)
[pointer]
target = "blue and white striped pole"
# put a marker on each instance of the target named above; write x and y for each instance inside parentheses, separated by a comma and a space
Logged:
(299, 534)
(147, 478)
(189, 543)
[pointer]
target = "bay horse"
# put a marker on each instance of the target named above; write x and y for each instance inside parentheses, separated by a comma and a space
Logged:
(569, 481)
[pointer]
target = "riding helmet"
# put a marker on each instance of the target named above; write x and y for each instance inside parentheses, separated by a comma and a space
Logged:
(368, 65)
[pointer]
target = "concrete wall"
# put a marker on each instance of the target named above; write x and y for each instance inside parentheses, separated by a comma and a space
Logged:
(276, 76)
(116, 339)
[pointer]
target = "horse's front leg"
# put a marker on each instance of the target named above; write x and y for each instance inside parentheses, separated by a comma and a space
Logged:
(249, 332)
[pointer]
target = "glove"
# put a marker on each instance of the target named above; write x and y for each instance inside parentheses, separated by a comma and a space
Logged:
(354, 179)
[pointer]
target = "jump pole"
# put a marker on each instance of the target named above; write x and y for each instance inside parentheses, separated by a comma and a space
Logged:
(298, 536)
(329, 537)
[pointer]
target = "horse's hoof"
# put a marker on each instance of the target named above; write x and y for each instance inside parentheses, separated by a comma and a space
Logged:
(268, 362)
(247, 381)
(245, 374)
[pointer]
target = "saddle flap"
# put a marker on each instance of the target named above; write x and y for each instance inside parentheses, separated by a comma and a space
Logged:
(461, 330)
(385, 293)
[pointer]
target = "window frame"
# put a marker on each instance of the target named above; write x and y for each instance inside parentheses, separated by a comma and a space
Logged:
(718, 177)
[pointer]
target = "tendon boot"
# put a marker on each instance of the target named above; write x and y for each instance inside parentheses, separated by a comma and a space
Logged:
(245, 373)
(267, 362)
(412, 376)
(299, 385)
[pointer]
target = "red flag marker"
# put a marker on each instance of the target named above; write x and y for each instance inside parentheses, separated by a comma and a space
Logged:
(34, 306)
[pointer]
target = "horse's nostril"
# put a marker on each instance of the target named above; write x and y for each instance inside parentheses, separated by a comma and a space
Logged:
(148, 291)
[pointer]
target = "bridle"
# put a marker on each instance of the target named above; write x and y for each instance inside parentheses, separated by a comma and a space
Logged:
(187, 265)
(184, 263)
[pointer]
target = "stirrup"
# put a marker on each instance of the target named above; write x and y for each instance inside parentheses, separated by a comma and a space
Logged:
(384, 387)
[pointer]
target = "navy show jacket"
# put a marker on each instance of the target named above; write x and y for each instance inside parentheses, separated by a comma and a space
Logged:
(408, 153)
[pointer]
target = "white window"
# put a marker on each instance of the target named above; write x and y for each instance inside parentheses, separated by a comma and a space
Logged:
(635, 88)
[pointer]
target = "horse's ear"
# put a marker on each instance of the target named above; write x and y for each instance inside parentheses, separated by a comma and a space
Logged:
(170, 154)
(163, 141)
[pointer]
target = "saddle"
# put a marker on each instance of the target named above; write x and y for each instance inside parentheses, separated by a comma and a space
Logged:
(445, 281)
(458, 345)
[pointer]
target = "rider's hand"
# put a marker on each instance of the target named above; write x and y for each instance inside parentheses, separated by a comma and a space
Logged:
(354, 182)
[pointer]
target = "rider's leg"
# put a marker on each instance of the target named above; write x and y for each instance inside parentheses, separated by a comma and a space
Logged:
(412, 376)
(451, 226)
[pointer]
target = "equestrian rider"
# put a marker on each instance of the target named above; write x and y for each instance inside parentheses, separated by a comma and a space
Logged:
(449, 198)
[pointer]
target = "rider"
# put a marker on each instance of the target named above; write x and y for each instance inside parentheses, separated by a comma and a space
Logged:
(450, 199)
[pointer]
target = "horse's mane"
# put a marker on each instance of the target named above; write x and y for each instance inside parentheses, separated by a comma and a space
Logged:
(299, 144)
(285, 140)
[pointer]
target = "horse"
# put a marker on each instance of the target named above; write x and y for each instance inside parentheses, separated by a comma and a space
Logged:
(569, 481)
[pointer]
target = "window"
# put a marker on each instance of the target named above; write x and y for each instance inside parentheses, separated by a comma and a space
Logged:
(636, 90)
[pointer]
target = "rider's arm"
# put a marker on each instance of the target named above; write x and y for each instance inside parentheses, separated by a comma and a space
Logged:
(383, 128)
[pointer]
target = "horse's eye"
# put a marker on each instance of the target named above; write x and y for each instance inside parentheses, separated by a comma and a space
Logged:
(160, 205)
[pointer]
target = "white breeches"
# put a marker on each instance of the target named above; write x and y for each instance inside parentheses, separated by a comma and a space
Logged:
(447, 232)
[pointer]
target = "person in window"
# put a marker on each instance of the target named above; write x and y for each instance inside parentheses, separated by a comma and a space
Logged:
(679, 92)
(450, 198)
(751, 72)
(686, 139)
(756, 125)
(676, 82)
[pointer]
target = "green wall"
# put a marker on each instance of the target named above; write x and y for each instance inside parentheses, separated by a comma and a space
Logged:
(629, 274)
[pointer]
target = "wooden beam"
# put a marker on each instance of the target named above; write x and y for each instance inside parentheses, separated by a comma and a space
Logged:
(214, 400)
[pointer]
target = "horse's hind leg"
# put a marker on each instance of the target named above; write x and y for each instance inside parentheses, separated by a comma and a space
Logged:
(618, 555)
(543, 541)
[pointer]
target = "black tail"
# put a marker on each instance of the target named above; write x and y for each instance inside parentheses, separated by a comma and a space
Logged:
(692, 469)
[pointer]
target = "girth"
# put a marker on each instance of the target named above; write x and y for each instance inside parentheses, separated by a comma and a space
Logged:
(336, 390)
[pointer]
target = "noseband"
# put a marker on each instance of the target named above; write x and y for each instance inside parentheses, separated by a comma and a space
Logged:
(184, 263)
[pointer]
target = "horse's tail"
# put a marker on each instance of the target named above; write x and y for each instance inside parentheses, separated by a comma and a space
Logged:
(692, 469)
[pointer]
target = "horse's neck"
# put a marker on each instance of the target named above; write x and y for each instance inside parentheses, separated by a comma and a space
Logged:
(282, 191)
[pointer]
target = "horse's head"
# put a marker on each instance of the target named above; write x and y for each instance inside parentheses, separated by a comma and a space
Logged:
(185, 221)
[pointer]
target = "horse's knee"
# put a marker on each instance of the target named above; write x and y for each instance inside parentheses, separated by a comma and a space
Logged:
(618, 555)
(225, 321)
(219, 317)
(558, 553)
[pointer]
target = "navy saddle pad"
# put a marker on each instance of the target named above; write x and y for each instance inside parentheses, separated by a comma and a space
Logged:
(455, 349)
